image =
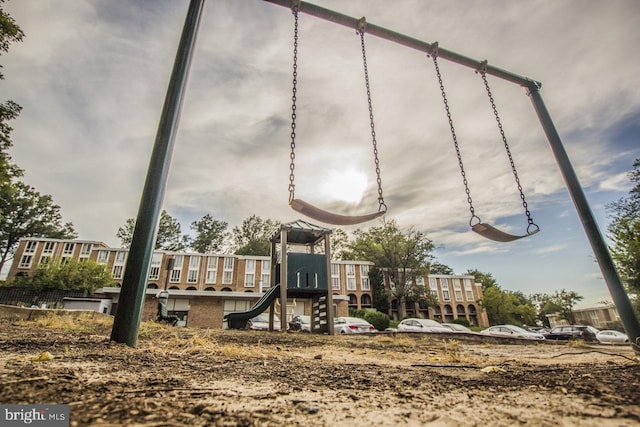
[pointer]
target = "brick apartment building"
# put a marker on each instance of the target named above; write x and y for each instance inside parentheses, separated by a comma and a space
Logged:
(205, 287)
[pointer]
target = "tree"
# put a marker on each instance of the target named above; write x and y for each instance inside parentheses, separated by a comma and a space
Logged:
(438, 268)
(499, 305)
(624, 232)
(339, 241)
(169, 236)
(9, 110)
(566, 300)
(71, 275)
(252, 237)
(210, 234)
(486, 279)
(379, 296)
(27, 213)
(401, 255)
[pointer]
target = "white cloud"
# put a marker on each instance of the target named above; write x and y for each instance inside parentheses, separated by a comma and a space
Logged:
(91, 77)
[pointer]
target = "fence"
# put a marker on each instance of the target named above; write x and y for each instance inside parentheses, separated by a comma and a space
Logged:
(26, 297)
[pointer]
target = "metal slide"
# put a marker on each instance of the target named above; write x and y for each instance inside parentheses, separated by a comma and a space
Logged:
(238, 320)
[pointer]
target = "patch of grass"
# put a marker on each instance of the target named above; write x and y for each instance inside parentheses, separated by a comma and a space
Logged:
(453, 350)
(73, 323)
(396, 340)
(576, 343)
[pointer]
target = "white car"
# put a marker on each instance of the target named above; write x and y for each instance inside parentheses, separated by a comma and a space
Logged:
(421, 325)
(511, 331)
(456, 327)
(261, 322)
(612, 337)
(352, 325)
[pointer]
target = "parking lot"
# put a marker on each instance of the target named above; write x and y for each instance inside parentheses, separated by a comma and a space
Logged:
(182, 376)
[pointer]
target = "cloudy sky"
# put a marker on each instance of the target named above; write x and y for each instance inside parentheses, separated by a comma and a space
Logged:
(91, 77)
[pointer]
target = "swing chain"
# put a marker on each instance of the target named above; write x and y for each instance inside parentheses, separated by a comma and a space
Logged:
(362, 23)
(483, 73)
(292, 156)
(434, 56)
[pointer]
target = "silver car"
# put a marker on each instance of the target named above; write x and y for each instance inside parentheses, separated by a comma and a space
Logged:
(421, 325)
(511, 331)
(261, 322)
(612, 337)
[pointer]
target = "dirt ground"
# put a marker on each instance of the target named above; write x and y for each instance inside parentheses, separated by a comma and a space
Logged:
(193, 377)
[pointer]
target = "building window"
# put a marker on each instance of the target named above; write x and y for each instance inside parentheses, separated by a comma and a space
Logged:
(176, 273)
(48, 248)
(45, 260)
(30, 248)
(595, 321)
(265, 276)
(433, 285)
(118, 265)
(120, 257)
(85, 250)
(25, 261)
(212, 269)
(468, 289)
(227, 270)
(231, 306)
(194, 266)
(156, 263)
(444, 284)
(335, 277)
(68, 249)
(117, 271)
(457, 289)
(250, 273)
(365, 285)
(353, 301)
(351, 277)
(103, 257)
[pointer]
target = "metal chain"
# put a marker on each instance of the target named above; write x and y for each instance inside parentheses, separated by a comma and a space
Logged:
(292, 156)
(455, 139)
(381, 204)
(483, 74)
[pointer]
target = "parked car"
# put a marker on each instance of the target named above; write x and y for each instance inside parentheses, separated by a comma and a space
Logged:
(573, 332)
(511, 331)
(300, 323)
(612, 337)
(352, 325)
(456, 327)
(261, 322)
(421, 325)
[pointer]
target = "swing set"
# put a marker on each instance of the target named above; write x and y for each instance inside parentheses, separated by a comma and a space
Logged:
(483, 229)
(127, 320)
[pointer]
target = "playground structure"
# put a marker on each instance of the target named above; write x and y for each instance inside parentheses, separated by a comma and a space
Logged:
(303, 275)
(127, 320)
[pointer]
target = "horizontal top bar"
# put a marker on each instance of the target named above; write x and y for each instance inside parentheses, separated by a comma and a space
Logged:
(407, 41)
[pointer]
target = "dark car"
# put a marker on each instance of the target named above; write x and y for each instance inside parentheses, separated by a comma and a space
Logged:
(300, 323)
(573, 332)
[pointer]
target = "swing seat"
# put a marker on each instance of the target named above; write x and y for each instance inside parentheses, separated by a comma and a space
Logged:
(490, 232)
(321, 215)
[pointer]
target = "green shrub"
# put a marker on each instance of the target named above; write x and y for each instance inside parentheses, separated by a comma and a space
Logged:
(462, 321)
(379, 320)
(358, 313)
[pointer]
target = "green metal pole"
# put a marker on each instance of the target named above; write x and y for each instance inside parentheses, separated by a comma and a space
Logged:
(131, 300)
(600, 249)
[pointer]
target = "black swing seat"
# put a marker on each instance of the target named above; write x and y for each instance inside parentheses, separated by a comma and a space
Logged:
(321, 215)
(164, 317)
(490, 232)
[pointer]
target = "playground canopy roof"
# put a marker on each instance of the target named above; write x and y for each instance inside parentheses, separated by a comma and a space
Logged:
(301, 233)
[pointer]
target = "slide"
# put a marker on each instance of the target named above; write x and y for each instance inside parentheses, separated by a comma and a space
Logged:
(239, 319)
